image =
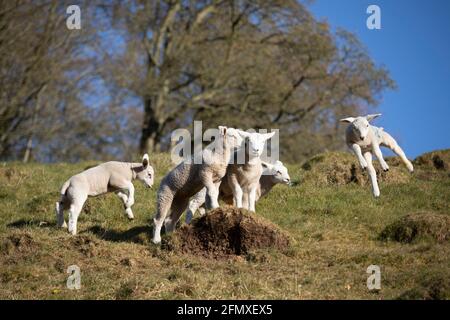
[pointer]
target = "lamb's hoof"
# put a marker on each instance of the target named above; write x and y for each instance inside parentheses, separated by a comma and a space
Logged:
(386, 170)
(156, 241)
(130, 218)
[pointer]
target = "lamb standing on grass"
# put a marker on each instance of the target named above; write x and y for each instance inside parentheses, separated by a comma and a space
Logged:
(107, 177)
(364, 139)
(188, 178)
(273, 174)
(243, 179)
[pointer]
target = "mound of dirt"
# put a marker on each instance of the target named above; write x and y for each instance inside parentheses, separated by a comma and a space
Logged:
(227, 231)
(19, 246)
(433, 165)
(418, 225)
(433, 288)
(341, 168)
(21, 241)
(86, 244)
(436, 160)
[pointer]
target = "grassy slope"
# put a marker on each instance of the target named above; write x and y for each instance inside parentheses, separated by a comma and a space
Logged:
(335, 228)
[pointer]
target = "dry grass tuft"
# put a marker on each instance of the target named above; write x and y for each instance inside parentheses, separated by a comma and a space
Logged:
(341, 168)
(417, 226)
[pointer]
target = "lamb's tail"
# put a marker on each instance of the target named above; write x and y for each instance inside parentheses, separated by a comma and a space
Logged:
(65, 187)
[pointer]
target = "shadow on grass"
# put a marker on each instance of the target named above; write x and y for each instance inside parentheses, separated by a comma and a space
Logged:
(23, 223)
(139, 234)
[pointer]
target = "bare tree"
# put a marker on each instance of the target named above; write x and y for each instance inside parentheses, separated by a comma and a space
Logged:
(242, 63)
(46, 75)
(140, 68)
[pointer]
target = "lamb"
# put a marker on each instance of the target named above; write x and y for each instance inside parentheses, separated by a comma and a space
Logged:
(364, 139)
(243, 179)
(112, 176)
(188, 178)
(273, 174)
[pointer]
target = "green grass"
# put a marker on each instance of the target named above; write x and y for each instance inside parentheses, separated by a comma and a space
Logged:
(336, 230)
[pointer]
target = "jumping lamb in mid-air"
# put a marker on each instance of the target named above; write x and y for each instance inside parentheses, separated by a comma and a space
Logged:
(273, 174)
(364, 139)
(188, 178)
(112, 176)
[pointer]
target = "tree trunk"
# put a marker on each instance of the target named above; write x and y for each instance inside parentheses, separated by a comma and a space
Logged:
(29, 147)
(150, 136)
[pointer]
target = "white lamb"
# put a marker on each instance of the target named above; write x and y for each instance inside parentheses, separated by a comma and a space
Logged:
(273, 174)
(188, 178)
(243, 178)
(107, 177)
(364, 139)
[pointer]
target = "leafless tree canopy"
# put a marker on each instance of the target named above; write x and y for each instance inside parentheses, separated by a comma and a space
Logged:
(139, 68)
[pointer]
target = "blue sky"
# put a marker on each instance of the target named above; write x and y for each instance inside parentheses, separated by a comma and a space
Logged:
(414, 45)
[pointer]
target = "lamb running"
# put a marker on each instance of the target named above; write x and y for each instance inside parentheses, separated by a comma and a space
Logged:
(364, 139)
(273, 174)
(107, 177)
(188, 178)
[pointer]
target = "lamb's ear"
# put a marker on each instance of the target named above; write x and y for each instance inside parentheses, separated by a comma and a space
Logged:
(145, 160)
(370, 117)
(223, 130)
(243, 134)
(349, 119)
(267, 136)
(279, 163)
(266, 165)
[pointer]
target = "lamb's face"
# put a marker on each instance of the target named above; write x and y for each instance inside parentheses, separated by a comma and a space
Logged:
(278, 172)
(360, 127)
(146, 173)
(255, 142)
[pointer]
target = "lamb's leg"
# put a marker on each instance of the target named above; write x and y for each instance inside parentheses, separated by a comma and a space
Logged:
(124, 199)
(237, 191)
(245, 200)
(74, 212)
(390, 142)
(252, 199)
(192, 208)
(237, 195)
(196, 202)
(60, 222)
(130, 188)
(376, 149)
(178, 208)
(164, 202)
(372, 174)
(357, 150)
